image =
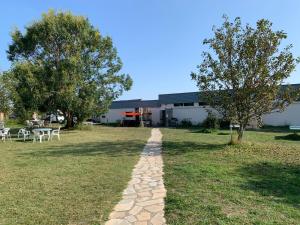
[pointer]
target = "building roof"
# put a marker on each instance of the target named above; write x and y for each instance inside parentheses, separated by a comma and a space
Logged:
(186, 97)
(135, 103)
(179, 98)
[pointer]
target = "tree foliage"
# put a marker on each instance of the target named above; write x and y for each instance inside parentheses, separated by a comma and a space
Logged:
(5, 101)
(63, 63)
(241, 76)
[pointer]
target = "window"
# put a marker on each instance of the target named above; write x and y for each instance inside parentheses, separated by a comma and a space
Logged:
(188, 104)
(184, 104)
(178, 104)
(103, 117)
(202, 103)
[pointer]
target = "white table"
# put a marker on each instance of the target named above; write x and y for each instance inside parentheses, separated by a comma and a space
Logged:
(48, 130)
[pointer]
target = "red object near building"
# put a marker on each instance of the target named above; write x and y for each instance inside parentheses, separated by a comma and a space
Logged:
(131, 113)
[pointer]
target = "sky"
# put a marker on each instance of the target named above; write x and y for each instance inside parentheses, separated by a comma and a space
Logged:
(159, 42)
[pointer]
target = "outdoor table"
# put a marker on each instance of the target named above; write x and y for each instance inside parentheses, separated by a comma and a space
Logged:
(48, 130)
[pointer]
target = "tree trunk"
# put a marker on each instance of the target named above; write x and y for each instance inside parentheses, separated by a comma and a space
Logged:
(240, 133)
(69, 118)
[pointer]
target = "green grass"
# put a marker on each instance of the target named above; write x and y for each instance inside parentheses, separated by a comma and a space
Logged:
(210, 182)
(77, 180)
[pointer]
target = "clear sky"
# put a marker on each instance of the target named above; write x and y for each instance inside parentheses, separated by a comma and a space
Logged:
(159, 41)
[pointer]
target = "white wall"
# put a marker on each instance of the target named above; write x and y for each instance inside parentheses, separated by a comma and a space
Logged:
(194, 114)
(113, 115)
(155, 116)
(291, 116)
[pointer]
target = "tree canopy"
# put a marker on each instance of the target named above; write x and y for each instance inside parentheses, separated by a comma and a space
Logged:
(62, 62)
(242, 73)
(5, 101)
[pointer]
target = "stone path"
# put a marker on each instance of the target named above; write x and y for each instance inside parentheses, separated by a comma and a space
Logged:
(143, 199)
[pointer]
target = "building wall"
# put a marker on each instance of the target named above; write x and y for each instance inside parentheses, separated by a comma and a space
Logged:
(194, 114)
(113, 115)
(291, 116)
(155, 116)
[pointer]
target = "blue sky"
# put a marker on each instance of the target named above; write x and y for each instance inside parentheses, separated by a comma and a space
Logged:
(159, 41)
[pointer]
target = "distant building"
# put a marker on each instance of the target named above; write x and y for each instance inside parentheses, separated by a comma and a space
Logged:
(184, 106)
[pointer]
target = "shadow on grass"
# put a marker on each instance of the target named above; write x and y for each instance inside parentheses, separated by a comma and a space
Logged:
(278, 181)
(108, 148)
(289, 137)
(223, 133)
(178, 148)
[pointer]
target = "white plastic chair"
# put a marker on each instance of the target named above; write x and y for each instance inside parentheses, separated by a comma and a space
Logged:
(38, 135)
(56, 133)
(2, 136)
(42, 123)
(5, 134)
(23, 132)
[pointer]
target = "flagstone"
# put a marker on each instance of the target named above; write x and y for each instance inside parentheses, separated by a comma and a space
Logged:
(143, 199)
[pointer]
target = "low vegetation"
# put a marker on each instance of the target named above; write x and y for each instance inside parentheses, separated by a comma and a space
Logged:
(211, 182)
(77, 180)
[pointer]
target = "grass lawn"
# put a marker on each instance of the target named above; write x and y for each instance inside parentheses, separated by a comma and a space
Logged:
(77, 180)
(209, 182)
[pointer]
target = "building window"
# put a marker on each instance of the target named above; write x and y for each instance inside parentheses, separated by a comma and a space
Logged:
(184, 104)
(103, 117)
(188, 104)
(202, 103)
(178, 104)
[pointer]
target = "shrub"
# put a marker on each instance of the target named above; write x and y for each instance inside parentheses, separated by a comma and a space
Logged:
(208, 130)
(186, 123)
(224, 124)
(211, 121)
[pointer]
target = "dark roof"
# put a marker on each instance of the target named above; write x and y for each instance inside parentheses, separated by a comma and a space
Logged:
(292, 86)
(170, 99)
(135, 103)
(179, 98)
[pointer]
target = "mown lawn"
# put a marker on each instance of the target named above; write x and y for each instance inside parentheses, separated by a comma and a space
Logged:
(77, 180)
(210, 182)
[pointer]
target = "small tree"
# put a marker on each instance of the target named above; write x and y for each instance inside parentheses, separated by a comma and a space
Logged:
(241, 78)
(63, 63)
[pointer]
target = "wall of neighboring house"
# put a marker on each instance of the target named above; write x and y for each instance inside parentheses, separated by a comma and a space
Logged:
(290, 116)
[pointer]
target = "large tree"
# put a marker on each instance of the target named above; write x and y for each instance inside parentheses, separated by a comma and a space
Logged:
(5, 101)
(62, 62)
(242, 73)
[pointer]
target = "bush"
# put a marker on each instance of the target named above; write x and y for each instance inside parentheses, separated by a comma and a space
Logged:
(186, 123)
(224, 124)
(211, 121)
(208, 130)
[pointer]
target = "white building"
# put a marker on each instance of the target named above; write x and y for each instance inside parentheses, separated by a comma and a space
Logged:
(184, 106)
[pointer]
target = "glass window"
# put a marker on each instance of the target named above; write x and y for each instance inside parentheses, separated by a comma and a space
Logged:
(202, 103)
(178, 104)
(188, 104)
